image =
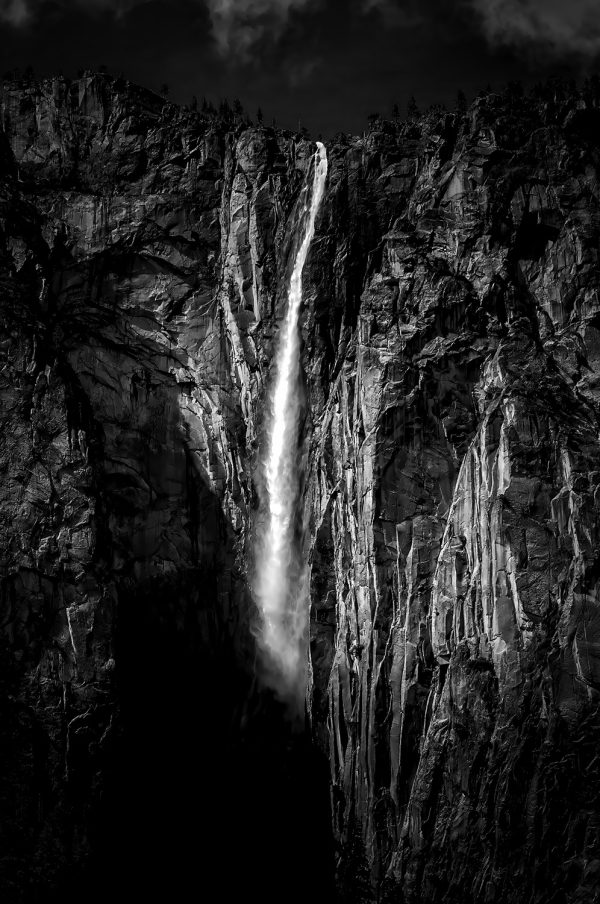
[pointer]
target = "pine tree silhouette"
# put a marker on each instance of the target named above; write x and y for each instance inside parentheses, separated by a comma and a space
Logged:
(412, 109)
(461, 102)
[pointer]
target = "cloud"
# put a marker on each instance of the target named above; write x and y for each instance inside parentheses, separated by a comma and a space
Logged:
(408, 14)
(561, 27)
(300, 71)
(240, 25)
(15, 12)
(21, 12)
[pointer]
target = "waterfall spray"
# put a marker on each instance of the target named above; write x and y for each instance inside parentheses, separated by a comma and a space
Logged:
(280, 586)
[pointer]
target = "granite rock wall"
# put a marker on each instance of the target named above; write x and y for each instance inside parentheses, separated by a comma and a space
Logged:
(451, 336)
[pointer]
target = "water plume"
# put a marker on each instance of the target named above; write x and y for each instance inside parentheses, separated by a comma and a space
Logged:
(280, 587)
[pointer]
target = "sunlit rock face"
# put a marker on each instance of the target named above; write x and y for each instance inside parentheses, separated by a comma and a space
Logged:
(449, 371)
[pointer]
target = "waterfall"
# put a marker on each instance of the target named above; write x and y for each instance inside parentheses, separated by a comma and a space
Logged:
(280, 587)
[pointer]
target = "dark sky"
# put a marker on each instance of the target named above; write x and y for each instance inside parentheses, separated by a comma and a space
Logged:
(326, 63)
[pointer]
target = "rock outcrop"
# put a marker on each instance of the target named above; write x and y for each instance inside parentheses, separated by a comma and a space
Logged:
(451, 338)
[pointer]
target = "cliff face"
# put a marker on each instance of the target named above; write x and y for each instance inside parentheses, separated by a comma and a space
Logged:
(451, 343)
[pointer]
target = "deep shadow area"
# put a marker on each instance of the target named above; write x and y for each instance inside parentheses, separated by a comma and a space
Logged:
(214, 795)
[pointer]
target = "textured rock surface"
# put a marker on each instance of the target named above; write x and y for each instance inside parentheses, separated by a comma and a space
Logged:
(451, 345)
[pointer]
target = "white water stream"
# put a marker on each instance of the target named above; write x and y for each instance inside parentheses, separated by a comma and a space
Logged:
(279, 589)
